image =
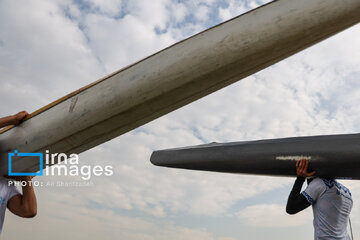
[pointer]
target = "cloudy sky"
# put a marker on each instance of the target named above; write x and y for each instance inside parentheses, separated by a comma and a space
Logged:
(50, 48)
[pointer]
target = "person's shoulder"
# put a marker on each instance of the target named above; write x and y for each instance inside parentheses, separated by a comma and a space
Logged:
(4, 181)
(319, 183)
(317, 180)
(4, 185)
(342, 187)
(326, 183)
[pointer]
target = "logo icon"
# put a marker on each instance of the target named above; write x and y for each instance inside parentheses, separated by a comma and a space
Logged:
(19, 154)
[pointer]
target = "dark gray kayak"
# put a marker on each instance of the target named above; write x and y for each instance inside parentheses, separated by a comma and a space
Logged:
(335, 156)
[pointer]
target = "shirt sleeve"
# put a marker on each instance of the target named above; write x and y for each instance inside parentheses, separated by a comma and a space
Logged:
(12, 192)
(314, 190)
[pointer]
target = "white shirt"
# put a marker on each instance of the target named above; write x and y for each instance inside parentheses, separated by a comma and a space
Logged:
(6, 193)
(332, 204)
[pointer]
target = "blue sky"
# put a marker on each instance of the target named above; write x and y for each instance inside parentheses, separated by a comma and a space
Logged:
(50, 48)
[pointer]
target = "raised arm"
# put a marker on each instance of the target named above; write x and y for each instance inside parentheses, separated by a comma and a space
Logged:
(13, 119)
(24, 205)
(296, 201)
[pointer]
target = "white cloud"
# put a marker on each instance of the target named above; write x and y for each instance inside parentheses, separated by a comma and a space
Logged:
(153, 14)
(72, 221)
(44, 54)
(108, 7)
(202, 13)
(178, 11)
(273, 216)
(237, 7)
(119, 42)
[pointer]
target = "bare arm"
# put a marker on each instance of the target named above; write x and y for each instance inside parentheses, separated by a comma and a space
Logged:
(13, 119)
(6, 121)
(24, 205)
